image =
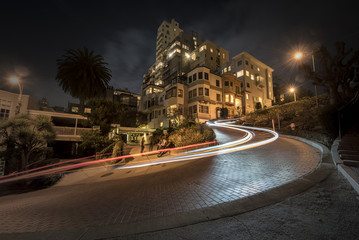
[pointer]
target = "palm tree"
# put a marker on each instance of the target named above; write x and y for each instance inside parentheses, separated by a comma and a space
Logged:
(82, 74)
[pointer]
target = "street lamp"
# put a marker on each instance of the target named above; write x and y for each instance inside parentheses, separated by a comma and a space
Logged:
(299, 55)
(17, 80)
(293, 91)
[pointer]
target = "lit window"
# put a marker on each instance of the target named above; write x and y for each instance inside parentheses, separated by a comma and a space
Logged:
(180, 93)
(4, 109)
(232, 99)
(252, 77)
(193, 56)
(247, 73)
(225, 70)
(258, 69)
(240, 73)
(211, 50)
(204, 47)
(187, 55)
(229, 68)
(223, 55)
(247, 96)
(75, 109)
(227, 97)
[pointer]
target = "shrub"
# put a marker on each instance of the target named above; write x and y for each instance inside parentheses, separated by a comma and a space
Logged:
(194, 133)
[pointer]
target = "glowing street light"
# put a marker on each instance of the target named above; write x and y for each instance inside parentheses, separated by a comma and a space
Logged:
(299, 55)
(293, 91)
(17, 80)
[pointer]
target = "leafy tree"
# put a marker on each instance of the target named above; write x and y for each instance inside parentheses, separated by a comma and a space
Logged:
(94, 142)
(335, 73)
(82, 74)
(25, 137)
(104, 113)
(258, 105)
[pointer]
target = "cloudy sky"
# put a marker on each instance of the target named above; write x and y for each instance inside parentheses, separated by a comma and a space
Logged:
(33, 34)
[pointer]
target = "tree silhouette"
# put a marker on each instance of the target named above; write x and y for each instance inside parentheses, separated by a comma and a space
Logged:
(335, 73)
(82, 74)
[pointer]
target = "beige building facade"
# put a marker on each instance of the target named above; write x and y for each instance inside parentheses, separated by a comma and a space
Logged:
(196, 79)
(256, 81)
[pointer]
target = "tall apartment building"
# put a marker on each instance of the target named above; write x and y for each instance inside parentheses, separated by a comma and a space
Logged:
(256, 81)
(186, 79)
(165, 86)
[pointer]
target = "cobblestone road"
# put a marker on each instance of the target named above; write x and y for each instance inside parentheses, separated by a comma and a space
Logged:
(185, 187)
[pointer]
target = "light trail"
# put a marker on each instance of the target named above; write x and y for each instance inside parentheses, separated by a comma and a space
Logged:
(228, 147)
(219, 149)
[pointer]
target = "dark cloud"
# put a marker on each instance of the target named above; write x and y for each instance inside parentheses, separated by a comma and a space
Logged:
(35, 33)
(129, 55)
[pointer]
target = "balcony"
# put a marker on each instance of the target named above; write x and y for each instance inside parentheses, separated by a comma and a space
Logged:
(69, 133)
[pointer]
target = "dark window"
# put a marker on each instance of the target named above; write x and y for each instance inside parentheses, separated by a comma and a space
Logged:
(218, 97)
(237, 89)
(248, 85)
(203, 109)
(206, 76)
(194, 92)
(217, 83)
(171, 93)
(241, 85)
(252, 66)
(189, 79)
(226, 83)
(200, 91)
(195, 77)
(194, 108)
(211, 58)
(164, 111)
(231, 84)
(246, 62)
(206, 91)
(190, 94)
(239, 63)
(180, 93)
(200, 75)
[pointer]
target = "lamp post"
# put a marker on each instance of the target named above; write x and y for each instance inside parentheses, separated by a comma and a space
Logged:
(299, 55)
(17, 80)
(293, 91)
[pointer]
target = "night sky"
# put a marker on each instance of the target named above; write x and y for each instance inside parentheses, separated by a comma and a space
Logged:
(33, 34)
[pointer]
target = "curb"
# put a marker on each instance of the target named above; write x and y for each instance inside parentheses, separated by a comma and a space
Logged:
(272, 196)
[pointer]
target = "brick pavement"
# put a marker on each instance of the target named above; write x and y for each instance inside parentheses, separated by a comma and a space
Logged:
(195, 185)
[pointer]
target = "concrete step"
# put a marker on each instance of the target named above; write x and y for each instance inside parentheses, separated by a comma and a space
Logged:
(350, 152)
(351, 163)
(349, 157)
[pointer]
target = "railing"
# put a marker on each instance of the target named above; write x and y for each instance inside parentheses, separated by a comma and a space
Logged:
(70, 131)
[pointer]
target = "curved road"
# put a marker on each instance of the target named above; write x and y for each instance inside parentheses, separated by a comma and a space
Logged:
(132, 195)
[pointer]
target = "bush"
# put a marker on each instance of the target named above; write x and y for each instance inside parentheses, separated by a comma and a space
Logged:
(94, 142)
(191, 134)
